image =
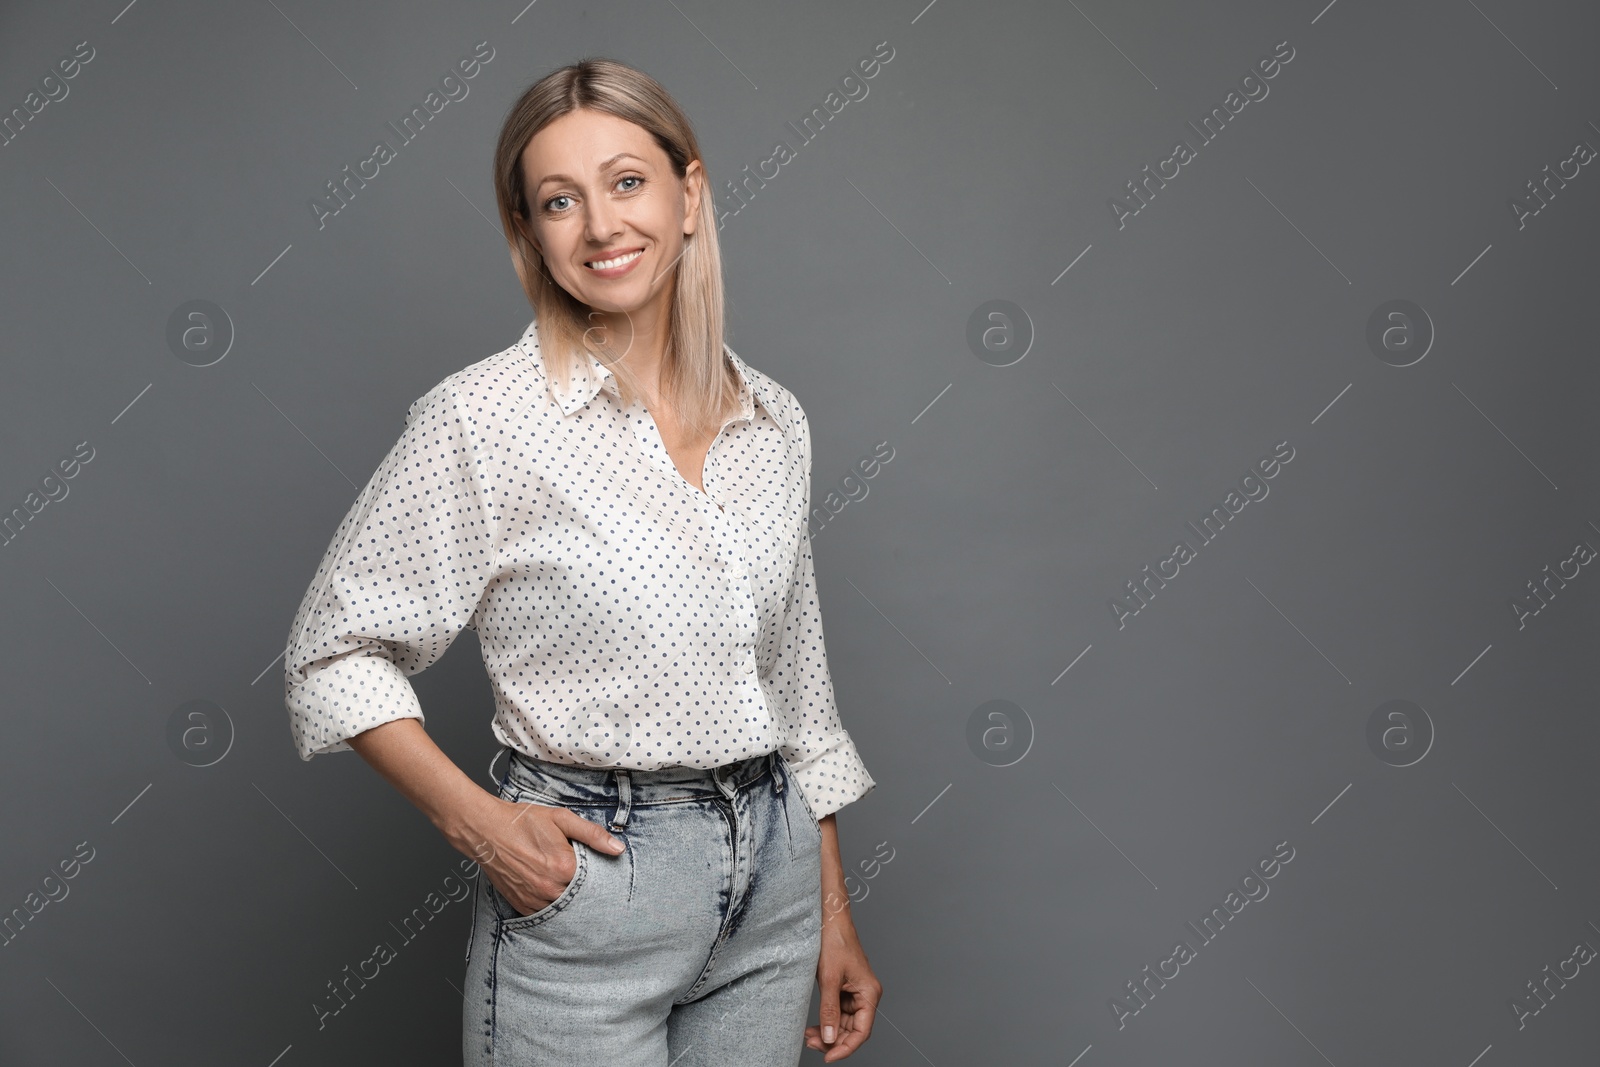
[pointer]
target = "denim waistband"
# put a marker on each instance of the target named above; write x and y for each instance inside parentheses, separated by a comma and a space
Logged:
(622, 788)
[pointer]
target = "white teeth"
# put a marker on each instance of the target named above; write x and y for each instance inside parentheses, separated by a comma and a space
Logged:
(607, 264)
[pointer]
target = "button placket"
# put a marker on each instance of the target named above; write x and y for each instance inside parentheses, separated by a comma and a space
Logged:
(725, 529)
(745, 595)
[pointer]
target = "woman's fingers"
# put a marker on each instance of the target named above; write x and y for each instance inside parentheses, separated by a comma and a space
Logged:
(828, 980)
(595, 836)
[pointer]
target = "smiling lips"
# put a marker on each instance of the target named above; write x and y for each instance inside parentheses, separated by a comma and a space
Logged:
(616, 266)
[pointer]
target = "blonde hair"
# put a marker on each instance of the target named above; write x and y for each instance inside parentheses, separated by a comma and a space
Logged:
(696, 381)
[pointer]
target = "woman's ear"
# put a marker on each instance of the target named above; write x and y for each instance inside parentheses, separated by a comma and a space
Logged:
(693, 186)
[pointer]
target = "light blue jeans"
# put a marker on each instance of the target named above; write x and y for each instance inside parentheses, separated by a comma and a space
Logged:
(696, 947)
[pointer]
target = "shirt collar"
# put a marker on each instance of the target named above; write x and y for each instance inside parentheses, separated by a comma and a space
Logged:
(588, 376)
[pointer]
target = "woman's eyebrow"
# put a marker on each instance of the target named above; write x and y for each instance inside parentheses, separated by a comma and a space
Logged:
(547, 179)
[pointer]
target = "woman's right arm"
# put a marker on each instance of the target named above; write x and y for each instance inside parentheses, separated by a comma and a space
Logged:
(401, 579)
(522, 847)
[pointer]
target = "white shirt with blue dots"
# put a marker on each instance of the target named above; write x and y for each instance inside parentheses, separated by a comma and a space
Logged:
(626, 618)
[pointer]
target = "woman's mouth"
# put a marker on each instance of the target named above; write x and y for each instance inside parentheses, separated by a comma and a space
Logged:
(615, 266)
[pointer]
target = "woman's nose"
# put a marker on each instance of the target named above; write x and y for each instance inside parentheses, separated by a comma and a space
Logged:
(602, 222)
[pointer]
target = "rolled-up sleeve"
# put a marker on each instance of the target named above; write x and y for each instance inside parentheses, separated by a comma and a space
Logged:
(816, 745)
(399, 582)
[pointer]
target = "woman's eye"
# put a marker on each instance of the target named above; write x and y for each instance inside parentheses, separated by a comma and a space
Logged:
(549, 205)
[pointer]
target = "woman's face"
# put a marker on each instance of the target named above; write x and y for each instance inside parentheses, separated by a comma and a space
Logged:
(608, 214)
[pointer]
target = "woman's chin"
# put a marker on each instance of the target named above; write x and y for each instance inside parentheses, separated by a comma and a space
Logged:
(624, 304)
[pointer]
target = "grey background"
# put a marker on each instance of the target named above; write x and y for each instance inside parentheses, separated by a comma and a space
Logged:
(1228, 315)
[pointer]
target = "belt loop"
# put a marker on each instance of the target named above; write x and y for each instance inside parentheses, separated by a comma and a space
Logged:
(720, 776)
(624, 798)
(777, 773)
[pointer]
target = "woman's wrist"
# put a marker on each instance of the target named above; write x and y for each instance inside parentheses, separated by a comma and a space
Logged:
(462, 821)
(836, 909)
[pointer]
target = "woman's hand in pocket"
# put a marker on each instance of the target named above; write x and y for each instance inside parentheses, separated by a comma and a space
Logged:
(527, 853)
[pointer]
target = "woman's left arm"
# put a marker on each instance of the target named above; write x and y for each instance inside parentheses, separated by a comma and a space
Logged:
(850, 991)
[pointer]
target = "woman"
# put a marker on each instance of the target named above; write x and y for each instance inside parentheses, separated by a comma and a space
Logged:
(618, 505)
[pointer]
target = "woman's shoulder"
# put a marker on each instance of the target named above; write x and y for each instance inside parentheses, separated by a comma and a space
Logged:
(779, 402)
(496, 383)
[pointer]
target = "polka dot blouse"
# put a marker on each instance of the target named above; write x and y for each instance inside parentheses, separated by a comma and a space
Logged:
(627, 619)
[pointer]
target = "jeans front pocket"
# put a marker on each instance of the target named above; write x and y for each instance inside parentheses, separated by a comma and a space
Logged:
(511, 920)
(805, 832)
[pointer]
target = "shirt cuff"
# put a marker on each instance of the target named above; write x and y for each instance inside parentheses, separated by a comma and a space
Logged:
(833, 777)
(346, 697)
